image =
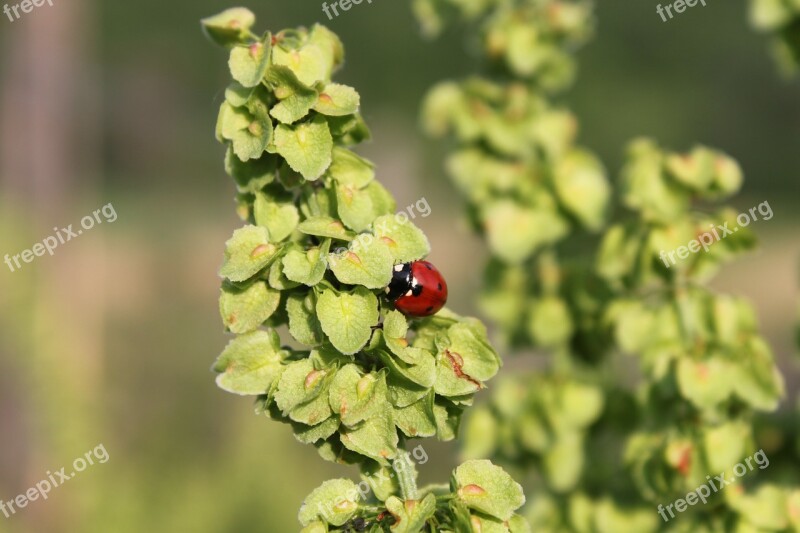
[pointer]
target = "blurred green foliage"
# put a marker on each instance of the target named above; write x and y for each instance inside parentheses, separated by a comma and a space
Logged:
(703, 368)
(780, 18)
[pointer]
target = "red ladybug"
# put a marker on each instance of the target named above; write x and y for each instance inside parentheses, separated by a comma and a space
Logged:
(417, 289)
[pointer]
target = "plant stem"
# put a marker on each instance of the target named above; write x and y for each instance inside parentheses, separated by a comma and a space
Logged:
(406, 477)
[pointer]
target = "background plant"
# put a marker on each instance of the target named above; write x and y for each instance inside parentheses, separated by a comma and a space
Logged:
(781, 19)
(704, 369)
(318, 249)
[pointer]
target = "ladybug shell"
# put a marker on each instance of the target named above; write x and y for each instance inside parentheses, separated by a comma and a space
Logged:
(428, 292)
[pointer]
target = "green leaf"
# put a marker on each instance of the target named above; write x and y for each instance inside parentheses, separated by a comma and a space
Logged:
(351, 169)
(303, 324)
(380, 478)
(634, 325)
(368, 262)
(581, 404)
(296, 99)
(355, 206)
(448, 418)
(756, 379)
(277, 280)
(248, 134)
(310, 63)
(248, 64)
(487, 524)
(338, 100)
(280, 219)
(406, 241)
(334, 502)
(326, 227)
(253, 175)
(250, 363)
(237, 95)
(582, 188)
(645, 188)
(402, 392)
(770, 15)
(317, 410)
(487, 488)
(330, 44)
(422, 372)
(349, 130)
(395, 325)
(395, 328)
(247, 252)
(704, 383)
(564, 460)
(229, 27)
(519, 524)
(307, 147)
(244, 310)
(766, 508)
(315, 527)
(347, 318)
(728, 176)
(465, 359)
(307, 267)
(311, 434)
(504, 220)
(550, 321)
(418, 419)
(300, 384)
(375, 438)
(411, 515)
(355, 397)
(695, 170)
(725, 444)
(382, 200)
(231, 120)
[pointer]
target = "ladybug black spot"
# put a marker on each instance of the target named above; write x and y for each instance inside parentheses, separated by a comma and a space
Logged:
(429, 309)
(440, 286)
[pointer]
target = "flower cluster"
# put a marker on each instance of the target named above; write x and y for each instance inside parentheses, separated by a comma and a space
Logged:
(705, 363)
(481, 497)
(318, 249)
(705, 369)
(517, 163)
(528, 39)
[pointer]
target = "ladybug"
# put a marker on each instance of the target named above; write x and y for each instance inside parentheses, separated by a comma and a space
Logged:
(417, 289)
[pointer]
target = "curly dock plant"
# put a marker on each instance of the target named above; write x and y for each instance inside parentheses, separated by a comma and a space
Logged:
(359, 380)
(607, 449)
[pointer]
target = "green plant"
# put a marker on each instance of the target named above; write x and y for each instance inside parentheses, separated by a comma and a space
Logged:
(319, 246)
(607, 444)
(781, 19)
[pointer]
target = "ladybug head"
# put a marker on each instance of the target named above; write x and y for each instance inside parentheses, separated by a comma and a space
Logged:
(402, 282)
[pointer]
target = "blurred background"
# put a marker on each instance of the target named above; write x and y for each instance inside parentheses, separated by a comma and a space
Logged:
(111, 339)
